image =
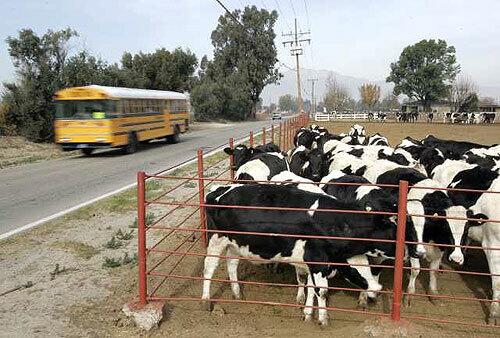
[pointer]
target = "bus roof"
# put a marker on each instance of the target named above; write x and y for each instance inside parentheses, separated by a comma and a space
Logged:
(103, 92)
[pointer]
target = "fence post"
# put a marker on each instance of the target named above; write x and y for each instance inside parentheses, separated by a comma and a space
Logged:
(141, 237)
(272, 133)
(400, 252)
(280, 129)
(231, 159)
(285, 136)
(201, 194)
(263, 135)
(251, 139)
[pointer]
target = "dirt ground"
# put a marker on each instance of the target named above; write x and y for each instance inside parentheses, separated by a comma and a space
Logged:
(83, 298)
(395, 132)
(15, 150)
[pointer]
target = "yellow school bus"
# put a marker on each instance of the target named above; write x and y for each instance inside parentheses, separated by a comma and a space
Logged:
(95, 117)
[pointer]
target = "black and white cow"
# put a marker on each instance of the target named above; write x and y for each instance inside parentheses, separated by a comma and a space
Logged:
(414, 147)
(304, 137)
(446, 231)
(288, 178)
(428, 230)
(296, 248)
(455, 148)
(377, 140)
(242, 154)
(357, 130)
(488, 234)
(485, 157)
(488, 117)
(311, 164)
(262, 167)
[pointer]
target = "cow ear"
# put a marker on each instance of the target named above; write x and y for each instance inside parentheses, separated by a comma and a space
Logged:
(229, 151)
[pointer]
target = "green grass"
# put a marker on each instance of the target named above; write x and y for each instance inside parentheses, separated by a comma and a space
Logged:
(113, 243)
(150, 218)
(111, 263)
(124, 236)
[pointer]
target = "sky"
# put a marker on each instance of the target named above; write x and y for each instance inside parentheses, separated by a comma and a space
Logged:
(358, 38)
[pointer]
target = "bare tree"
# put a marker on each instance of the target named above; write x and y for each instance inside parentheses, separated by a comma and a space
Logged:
(390, 101)
(337, 96)
(461, 91)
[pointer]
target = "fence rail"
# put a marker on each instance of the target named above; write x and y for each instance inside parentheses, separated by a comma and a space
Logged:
(192, 228)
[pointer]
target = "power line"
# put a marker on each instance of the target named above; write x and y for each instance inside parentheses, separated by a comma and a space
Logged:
(281, 13)
(293, 9)
(307, 15)
(230, 13)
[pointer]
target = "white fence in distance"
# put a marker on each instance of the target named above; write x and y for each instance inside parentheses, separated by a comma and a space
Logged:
(325, 117)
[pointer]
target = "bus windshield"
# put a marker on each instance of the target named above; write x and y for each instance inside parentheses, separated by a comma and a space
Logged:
(85, 109)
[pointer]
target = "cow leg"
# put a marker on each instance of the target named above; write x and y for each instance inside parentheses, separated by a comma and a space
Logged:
(216, 247)
(491, 238)
(232, 271)
(301, 281)
(415, 270)
(322, 285)
(433, 265)
(308, 309)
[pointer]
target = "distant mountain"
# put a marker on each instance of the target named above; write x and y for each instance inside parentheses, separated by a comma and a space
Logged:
(287, 85)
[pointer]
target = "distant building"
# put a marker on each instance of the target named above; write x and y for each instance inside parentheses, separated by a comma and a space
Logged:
(489, 108)
(441, 107)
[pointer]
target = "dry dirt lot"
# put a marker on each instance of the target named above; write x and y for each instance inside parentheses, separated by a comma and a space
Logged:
(395, 132)
(84, 298)
(15, 150)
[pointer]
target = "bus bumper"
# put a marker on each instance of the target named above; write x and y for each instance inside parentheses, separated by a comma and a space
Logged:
(76, 146)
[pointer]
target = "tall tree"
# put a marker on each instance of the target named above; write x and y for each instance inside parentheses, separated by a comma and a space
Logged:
(244, 63)
(370, 95)
(39, 63)
(162, 69)
(287, 102)
(425, 71)
(337, 96)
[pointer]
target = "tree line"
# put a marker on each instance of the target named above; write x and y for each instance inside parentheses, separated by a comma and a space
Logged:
(226, 87)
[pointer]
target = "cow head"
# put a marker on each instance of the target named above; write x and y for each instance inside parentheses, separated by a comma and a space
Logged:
(357, 130)
(241, 154)
(318, 165)
(458, 230)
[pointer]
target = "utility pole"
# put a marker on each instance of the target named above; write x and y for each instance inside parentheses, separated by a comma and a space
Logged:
(296, 50)
(313, 98)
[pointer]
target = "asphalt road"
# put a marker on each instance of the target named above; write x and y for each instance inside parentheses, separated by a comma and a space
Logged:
(31, 192)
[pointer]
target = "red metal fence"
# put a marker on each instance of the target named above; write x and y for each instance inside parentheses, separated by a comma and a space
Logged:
(174, 239)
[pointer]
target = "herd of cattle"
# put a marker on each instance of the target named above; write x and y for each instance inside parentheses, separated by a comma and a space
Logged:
(467, 118)
(271, 183)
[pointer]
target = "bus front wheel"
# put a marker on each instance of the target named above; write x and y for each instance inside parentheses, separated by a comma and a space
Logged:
(87, 151)
(131, 146)
(174, 138)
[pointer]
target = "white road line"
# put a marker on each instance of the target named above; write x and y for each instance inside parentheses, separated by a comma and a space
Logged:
(106, 195)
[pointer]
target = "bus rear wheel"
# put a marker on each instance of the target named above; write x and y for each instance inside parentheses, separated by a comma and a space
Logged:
(87, 151)
(175, 137)
(131, 146)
